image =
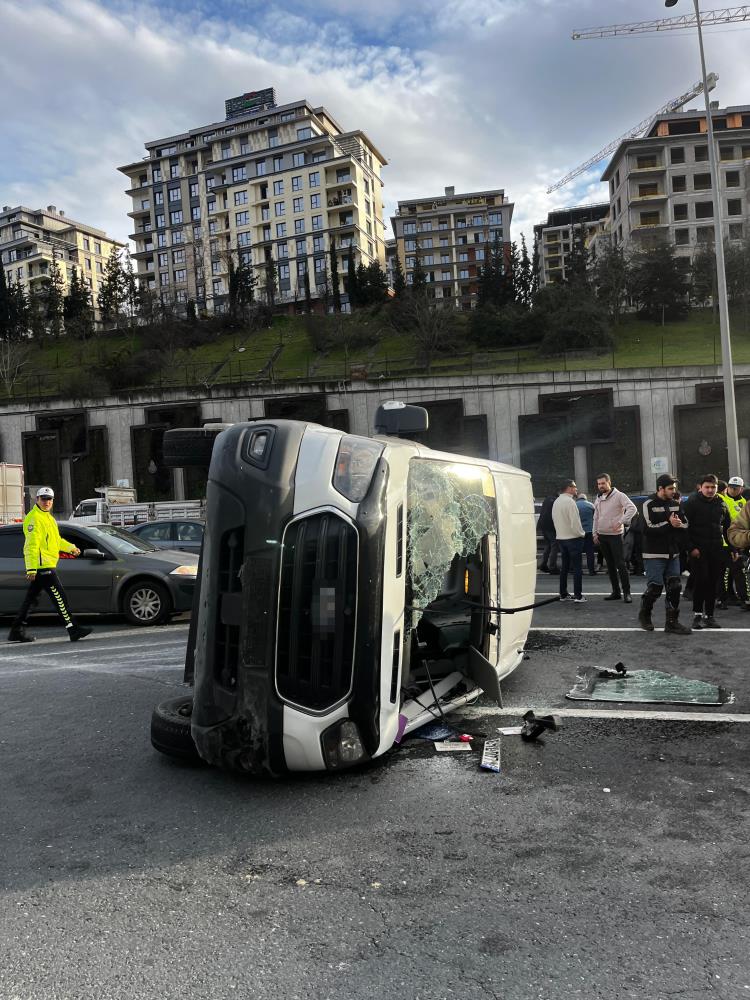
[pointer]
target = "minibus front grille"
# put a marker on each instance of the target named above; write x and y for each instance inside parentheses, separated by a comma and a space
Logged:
(317, 611)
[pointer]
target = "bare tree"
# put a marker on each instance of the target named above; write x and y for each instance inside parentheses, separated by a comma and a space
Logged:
(14, 357)
(432, 327)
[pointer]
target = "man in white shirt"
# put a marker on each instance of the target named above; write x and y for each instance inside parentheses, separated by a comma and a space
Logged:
(570, 538)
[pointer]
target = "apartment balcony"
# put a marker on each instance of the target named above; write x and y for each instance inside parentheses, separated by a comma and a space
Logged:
(147, 251)
(345, 180)
(137, 213)
(338, 201)
(655, 168)
(641, 199)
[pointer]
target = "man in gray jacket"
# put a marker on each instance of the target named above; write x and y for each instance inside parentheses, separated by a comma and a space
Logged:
(612, 511)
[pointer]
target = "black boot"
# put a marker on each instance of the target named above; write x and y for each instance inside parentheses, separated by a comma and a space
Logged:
(674, 625)
(78, 632)
(614, 596)
(19, 634)
(648, 599)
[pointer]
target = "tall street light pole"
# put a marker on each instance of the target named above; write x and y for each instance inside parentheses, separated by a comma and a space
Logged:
(727, 368)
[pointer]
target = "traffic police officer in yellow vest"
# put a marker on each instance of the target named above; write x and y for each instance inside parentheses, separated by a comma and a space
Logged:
(41, 551)
(737, 568)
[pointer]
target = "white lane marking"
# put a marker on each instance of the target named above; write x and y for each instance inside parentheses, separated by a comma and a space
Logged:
(122, 668)
(86, 649)
(139, 631)
(624, 628)
(613, 713)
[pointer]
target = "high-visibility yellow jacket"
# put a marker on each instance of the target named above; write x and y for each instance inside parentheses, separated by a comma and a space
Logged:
(733, 504)
(42, 545)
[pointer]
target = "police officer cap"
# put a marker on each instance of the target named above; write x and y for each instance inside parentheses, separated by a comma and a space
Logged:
(736, 481)
(46, 493)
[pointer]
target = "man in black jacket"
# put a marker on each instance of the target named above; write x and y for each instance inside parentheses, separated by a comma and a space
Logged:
(708, 521)
(664, 535)
(547, 528)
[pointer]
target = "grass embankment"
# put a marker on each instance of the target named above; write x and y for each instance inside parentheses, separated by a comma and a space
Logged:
(284, 353)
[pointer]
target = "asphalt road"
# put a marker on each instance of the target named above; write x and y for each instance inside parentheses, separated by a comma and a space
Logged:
(609, 861)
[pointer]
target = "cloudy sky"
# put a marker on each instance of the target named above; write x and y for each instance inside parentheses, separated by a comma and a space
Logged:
(472, 93)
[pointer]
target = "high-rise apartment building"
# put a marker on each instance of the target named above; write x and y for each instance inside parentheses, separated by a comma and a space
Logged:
(555, 238)
(660, 185)
(272, 183)
(450, 234)
(31, 238)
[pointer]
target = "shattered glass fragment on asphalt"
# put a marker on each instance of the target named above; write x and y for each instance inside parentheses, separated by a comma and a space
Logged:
(647, 686)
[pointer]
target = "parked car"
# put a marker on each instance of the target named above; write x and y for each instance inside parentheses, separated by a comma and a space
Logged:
(178, 535)
(116, 573)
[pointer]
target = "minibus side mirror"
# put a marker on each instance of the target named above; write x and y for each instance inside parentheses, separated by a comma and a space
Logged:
(400, 418)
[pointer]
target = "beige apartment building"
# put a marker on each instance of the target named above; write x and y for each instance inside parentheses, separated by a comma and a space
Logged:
(281, 183)
(660, 184)
(450, 234)
(555, 238)
(31, 238)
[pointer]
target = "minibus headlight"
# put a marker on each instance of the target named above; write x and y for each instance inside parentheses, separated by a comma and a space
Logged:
(355, 463)
(342, 745)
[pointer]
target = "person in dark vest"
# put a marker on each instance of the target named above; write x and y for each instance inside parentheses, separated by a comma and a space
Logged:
(664, 529)
(708, 521)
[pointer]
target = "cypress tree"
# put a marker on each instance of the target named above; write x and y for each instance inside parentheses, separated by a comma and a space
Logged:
(335, 290)
(399, 282)
(352, 282)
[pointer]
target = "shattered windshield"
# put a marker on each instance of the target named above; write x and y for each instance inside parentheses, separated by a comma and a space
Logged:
(451, 507)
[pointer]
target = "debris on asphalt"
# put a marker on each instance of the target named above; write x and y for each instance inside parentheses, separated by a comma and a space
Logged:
(434, 731)
(533, 727)
(595, 684)
(491, 756)
(450, 747)
(510, 730)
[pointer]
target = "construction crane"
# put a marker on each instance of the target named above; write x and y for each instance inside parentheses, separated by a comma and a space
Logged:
(634, 132)
(723, 15)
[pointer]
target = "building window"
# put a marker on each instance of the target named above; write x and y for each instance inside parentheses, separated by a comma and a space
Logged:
(240, 197)
(682, 237)
(178, 256)
(299, 225)
(266, 232)
(409, 228)
(242, 218)
(278, 163)
(163, 259)
(313, 179)
(680, 212)
(298, 205)
(318, 244)
(732, 178)
(704, 210)
(86, 244)
(463, 256)
(161, 240)
(679, 183)
(239, 174)
(278, 208)
(427, 243)
(301, 248)
(301, 268)
(175, 194)
(180, 275)
(645, 190)
(463, 274)
(175, 218)
(645, 161)
(320, 265)
(702, 182)
(164, 278)
(317, 222)
(460, 223)
(479, 254)
(734, 206)
(304, 133)
(297, 183)
(281, 229)
(298, 159)
(158, 199)
(260, 168)
(216, 267)
(177, 237)
(650, 219)
(701, 154)
(282, 250)
(195, 213)
(314, 201)
(278, 187)
(193, 189)
(677, 154)
(156, 174)
(410, 244)
(265, 213)
(704, 234)
(244, 239)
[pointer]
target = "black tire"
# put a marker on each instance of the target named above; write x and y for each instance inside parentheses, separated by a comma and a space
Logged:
(183, 446)
(170, 729)
(146, 602)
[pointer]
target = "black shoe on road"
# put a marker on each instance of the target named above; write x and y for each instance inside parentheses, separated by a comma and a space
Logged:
(697, 623)
(613, 597)
(710, 622)
(78, 632)
(19, 635)
(627, 598)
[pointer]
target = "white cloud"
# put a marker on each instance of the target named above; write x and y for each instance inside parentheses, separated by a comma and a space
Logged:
(474, 93)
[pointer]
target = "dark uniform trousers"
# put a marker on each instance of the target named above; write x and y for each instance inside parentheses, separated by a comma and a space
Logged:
(45, 580)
